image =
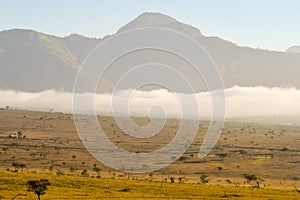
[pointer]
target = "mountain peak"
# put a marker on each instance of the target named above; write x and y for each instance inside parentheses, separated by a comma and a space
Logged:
(152, 19)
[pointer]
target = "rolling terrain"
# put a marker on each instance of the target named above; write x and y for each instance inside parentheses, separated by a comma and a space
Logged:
(51, 145)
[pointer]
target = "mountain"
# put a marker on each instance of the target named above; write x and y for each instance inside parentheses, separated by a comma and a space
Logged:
(79, 45)
(293, 49)
(33, 61)
(162, 21)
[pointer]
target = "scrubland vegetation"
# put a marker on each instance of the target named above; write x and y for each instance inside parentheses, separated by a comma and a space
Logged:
(79, 187)
(250, 161)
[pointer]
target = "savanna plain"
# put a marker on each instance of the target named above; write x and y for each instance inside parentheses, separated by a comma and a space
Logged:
(249, 161)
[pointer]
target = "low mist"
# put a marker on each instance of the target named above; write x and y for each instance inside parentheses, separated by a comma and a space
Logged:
(240, 102)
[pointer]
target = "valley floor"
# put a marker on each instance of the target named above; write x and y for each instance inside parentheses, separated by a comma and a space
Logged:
(77, 187)
(50, 148)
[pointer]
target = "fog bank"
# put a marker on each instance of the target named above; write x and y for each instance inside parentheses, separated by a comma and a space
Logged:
(240, 101)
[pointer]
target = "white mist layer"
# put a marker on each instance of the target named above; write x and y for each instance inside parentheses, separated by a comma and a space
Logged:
(240, 102)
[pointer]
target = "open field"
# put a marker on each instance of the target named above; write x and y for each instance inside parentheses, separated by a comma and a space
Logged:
(52, 146)
(73, 187)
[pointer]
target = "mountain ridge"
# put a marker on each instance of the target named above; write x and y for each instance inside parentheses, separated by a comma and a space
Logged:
(33, 61)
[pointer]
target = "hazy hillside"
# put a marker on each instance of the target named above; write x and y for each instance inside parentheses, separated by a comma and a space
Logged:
(79, 45)
(33, 61)
(294, 49)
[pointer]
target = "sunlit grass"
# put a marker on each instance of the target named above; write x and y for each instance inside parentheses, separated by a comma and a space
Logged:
(74, 187)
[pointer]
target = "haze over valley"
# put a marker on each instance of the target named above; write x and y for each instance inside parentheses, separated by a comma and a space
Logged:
(149, 100)
(36, 68)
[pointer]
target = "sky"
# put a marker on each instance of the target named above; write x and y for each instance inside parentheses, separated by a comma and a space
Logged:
(267, 24)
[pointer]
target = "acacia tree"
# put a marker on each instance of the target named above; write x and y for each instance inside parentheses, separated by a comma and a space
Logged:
(97, 170)
(74, 156)
(204, 179)
(17, 166)
(222, 155)
(252, 178)
(39, 187)
(219, 168)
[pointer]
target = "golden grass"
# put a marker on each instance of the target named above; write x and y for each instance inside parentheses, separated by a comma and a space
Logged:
(75, 187)
(51, 141)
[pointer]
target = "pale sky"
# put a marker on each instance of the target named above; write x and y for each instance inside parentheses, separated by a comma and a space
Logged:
(267, 24)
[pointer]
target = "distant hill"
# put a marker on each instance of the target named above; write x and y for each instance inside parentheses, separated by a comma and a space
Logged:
(33, 61)
(294, 49)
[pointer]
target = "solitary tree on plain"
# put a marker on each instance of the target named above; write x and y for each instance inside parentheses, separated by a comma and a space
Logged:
(39, 187)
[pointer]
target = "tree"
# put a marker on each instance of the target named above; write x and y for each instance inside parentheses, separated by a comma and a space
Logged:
(84, 173)
(172, 179)
(5, 149)
(221, 155)
(39, 187)
(203, 179)
(151, 176)
(219, 168)
(72, 169)
(252, 178)
(97, 170)
(228, 181)
(74, 156)
(17, 166)
(22, 166)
